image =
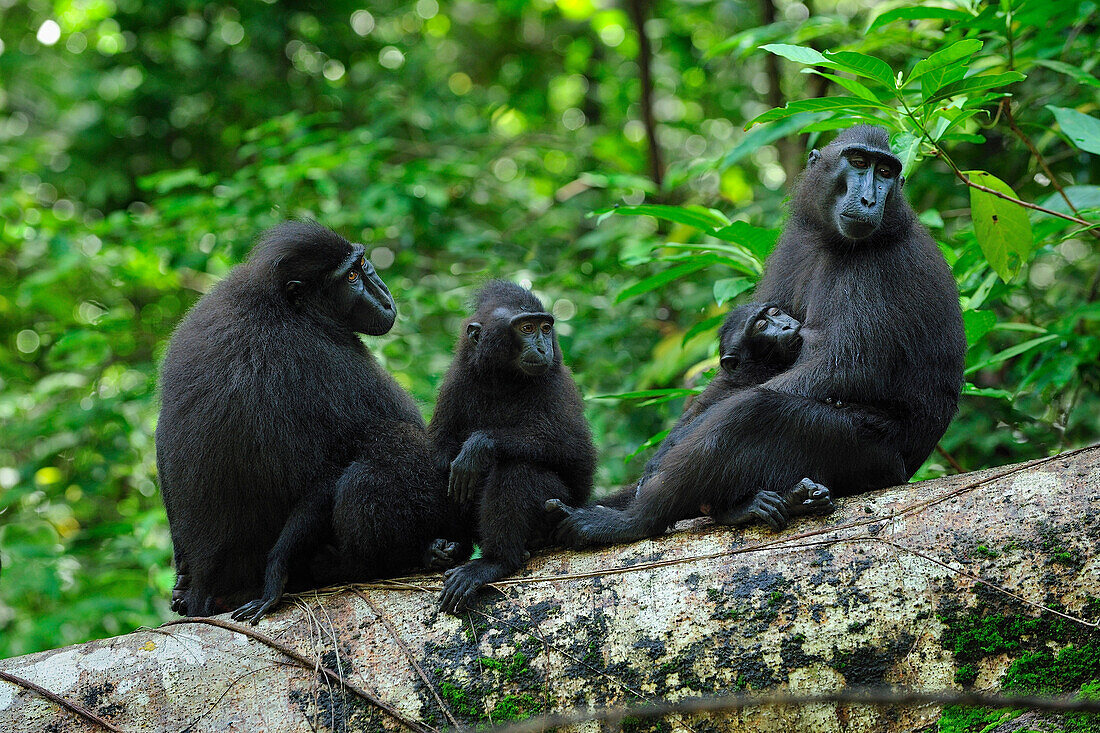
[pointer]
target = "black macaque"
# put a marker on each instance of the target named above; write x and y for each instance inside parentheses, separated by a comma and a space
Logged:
(756, 342)
(509, 427)
(873, 389)
(274, 412)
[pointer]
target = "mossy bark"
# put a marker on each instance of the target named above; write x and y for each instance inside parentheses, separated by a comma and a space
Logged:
(933, 585)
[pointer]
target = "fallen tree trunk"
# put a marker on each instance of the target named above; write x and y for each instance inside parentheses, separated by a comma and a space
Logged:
(961, 582)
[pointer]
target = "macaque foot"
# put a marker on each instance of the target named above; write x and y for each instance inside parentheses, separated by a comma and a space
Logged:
(573, 526)
(809, 497)
(595, 525)
(461, 584)
(193, 602)
(442, 554)
(767, 507)
(253, 611)
(179, 591)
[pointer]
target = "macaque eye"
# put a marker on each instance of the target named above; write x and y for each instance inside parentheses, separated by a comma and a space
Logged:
(363, 262)
(858, 162)
(353, 276)
(759, 326)
(885, 172)
(773, 311)
(547, 328)
(527, 328)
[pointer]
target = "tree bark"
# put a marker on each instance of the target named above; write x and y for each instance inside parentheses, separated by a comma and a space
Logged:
(639, 13)
(876, 593)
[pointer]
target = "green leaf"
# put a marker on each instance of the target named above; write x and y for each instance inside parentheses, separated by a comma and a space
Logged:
(970, 389)
(977, 324)
(734, 250)
(1002, 227)
(800, 54)
(921, 12)
(742, 264)
(1011, 352)
(1083, 197)
(646, 394)
(935, 79)
(698, 217)
(758, 240)
(953, 55)
(975, 84)
(768, 134)
(663, 278)
(729, 288)
(1082, 129)
(817, 104)
(906, 146)
(977, 299)
(702, 327)
(1079, 75)
(863, 65)
(851, 85)
(931, 218)
(649, 443)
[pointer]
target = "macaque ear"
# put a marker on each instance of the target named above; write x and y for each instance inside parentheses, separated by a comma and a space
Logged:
(814, 156)
(473, 331)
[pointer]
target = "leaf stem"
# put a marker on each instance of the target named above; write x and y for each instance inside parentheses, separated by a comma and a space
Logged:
(942, 154)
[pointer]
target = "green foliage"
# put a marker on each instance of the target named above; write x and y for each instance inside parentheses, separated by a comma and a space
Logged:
(145, 149)
(1001, 226)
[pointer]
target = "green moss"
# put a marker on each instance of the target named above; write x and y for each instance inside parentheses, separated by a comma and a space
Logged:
(516, 707)
(966, 674)
(972, 637)
(957, 719)
(459, 700)
(1036, 667)
(987, 552)
(512, 668)
(1059, 555)
(1043, 671)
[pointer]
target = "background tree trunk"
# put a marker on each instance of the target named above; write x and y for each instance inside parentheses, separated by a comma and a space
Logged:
(892, 588)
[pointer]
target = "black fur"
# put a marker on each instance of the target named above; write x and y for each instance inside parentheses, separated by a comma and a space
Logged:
(874, 388)
(757, 359)
(519, 439)
(268, 396)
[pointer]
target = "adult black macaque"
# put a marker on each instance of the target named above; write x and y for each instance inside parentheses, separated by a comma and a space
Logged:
(871, 392)
(509, 426)
(268, 397)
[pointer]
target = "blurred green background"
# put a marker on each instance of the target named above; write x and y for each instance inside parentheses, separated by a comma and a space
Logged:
(143, 146)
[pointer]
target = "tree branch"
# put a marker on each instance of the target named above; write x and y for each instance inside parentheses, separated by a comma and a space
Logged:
(1006, 106)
